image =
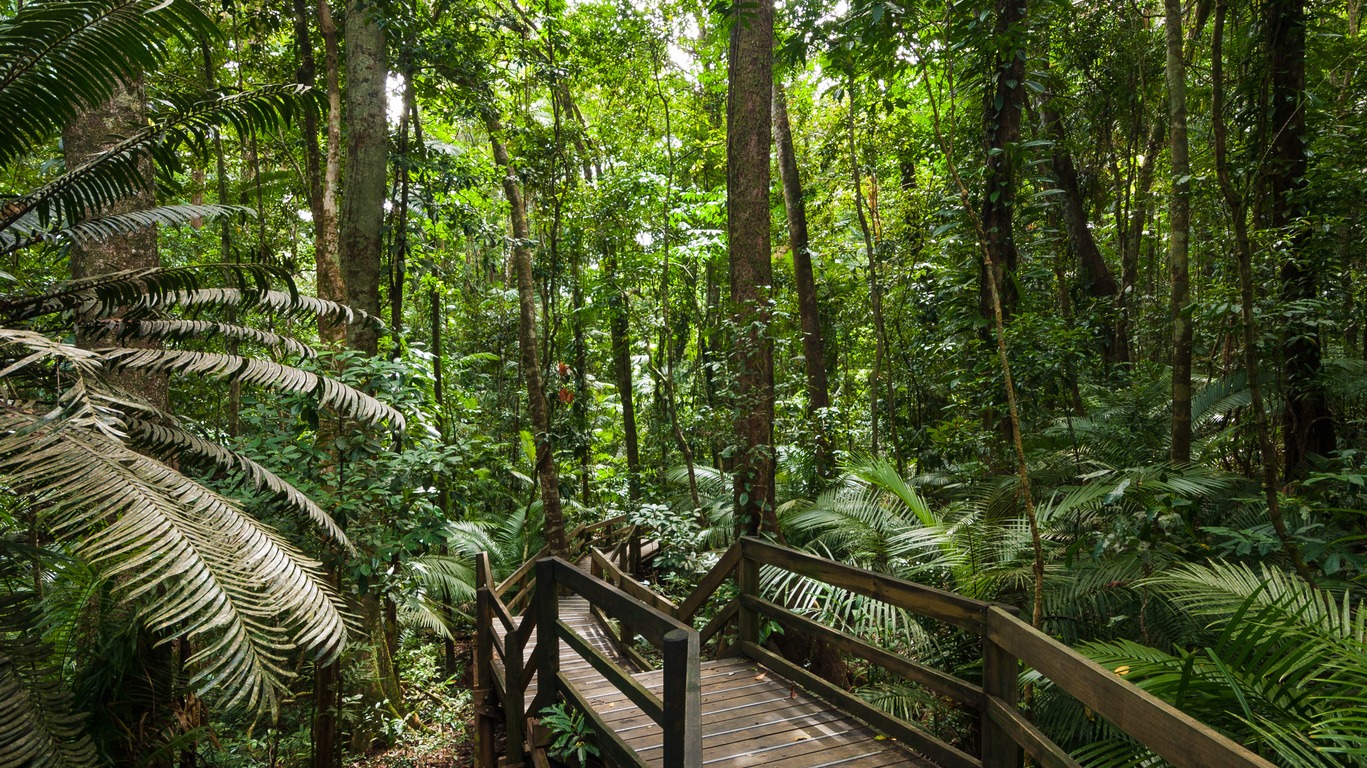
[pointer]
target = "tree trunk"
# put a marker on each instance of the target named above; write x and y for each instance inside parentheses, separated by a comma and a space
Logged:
(1179, 218)
(748, 122)
(361, 244)
(546, 471)
(1134, 240)
(150, 703)
(1307, 424)
(367, 159)
(813, 350)
(326, 234)
(1243, 250)
(1098, 280)
(1004, 100)
(619, 329)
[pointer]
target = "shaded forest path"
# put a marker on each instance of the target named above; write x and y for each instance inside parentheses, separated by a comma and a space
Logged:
(629, 661)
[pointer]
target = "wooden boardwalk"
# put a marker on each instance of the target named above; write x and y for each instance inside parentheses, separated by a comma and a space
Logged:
(750, 716)
(755, 708)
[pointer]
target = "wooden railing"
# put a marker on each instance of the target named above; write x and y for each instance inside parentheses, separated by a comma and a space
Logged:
(678, 712)
(623, 638)
(1006, 641)
(501, 641)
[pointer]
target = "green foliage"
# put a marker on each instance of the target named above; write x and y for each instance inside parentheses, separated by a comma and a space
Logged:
(571, 735)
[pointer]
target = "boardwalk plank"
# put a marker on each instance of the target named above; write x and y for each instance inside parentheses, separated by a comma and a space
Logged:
(750, 716)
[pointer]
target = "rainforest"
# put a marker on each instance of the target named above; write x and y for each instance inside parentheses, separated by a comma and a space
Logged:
(419, 383)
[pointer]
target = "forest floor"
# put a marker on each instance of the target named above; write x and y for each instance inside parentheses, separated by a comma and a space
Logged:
(446, 737)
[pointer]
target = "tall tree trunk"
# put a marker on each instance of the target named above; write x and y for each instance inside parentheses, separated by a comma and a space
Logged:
(1243, 250)
(880, 334)
(1179, 219)
(813, 350)
(367, 159)
(323, 167)
(1098, 280)
(666, 326)
(361, 244)
(748, 122)
(1004, 101)
(398, 259)
(1134, 241)
(1307, 424)
(546, 471)
(619, 330)
(149, 702)
(326, 233)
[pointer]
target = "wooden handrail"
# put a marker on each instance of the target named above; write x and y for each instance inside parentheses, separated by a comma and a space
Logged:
(963, 612)
(719, 573)
(615, 576)
(1007, 641)
(1171, 733)
(679, 710)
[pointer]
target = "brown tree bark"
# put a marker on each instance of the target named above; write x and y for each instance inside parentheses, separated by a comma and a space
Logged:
(1243, 249)
(1307, 424)
(546, 471)
(367, 166)
(361, 244)
(619, 330)
(748, 122)
(147, 702)
(1179, 219)
(327, 237)
(1004, 101)
(808, 308)
(1098, 280)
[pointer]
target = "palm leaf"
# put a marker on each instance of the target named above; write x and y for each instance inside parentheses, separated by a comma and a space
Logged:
(60, 58)
(194, 563)
(109, 294)
(29, 230)
(181, 330)
(346, 400)
(172, 442)
(118, 173)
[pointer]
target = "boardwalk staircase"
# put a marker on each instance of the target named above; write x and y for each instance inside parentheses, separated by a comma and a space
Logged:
(561, 631)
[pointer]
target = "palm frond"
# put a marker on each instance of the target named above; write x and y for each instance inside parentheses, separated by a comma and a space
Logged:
(38, 726)
(348, 401)
(117, 173)
(188, 557)
(29, 231)
(108, 294)
(59, 58)
(172, 442)
(122, 329)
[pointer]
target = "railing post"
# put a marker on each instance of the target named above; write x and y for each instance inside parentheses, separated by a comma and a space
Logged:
(547, 635)
(747, 579)
(634, 568)
(484, 668)
(682, 700)
(1001, 678)
(514, 709)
